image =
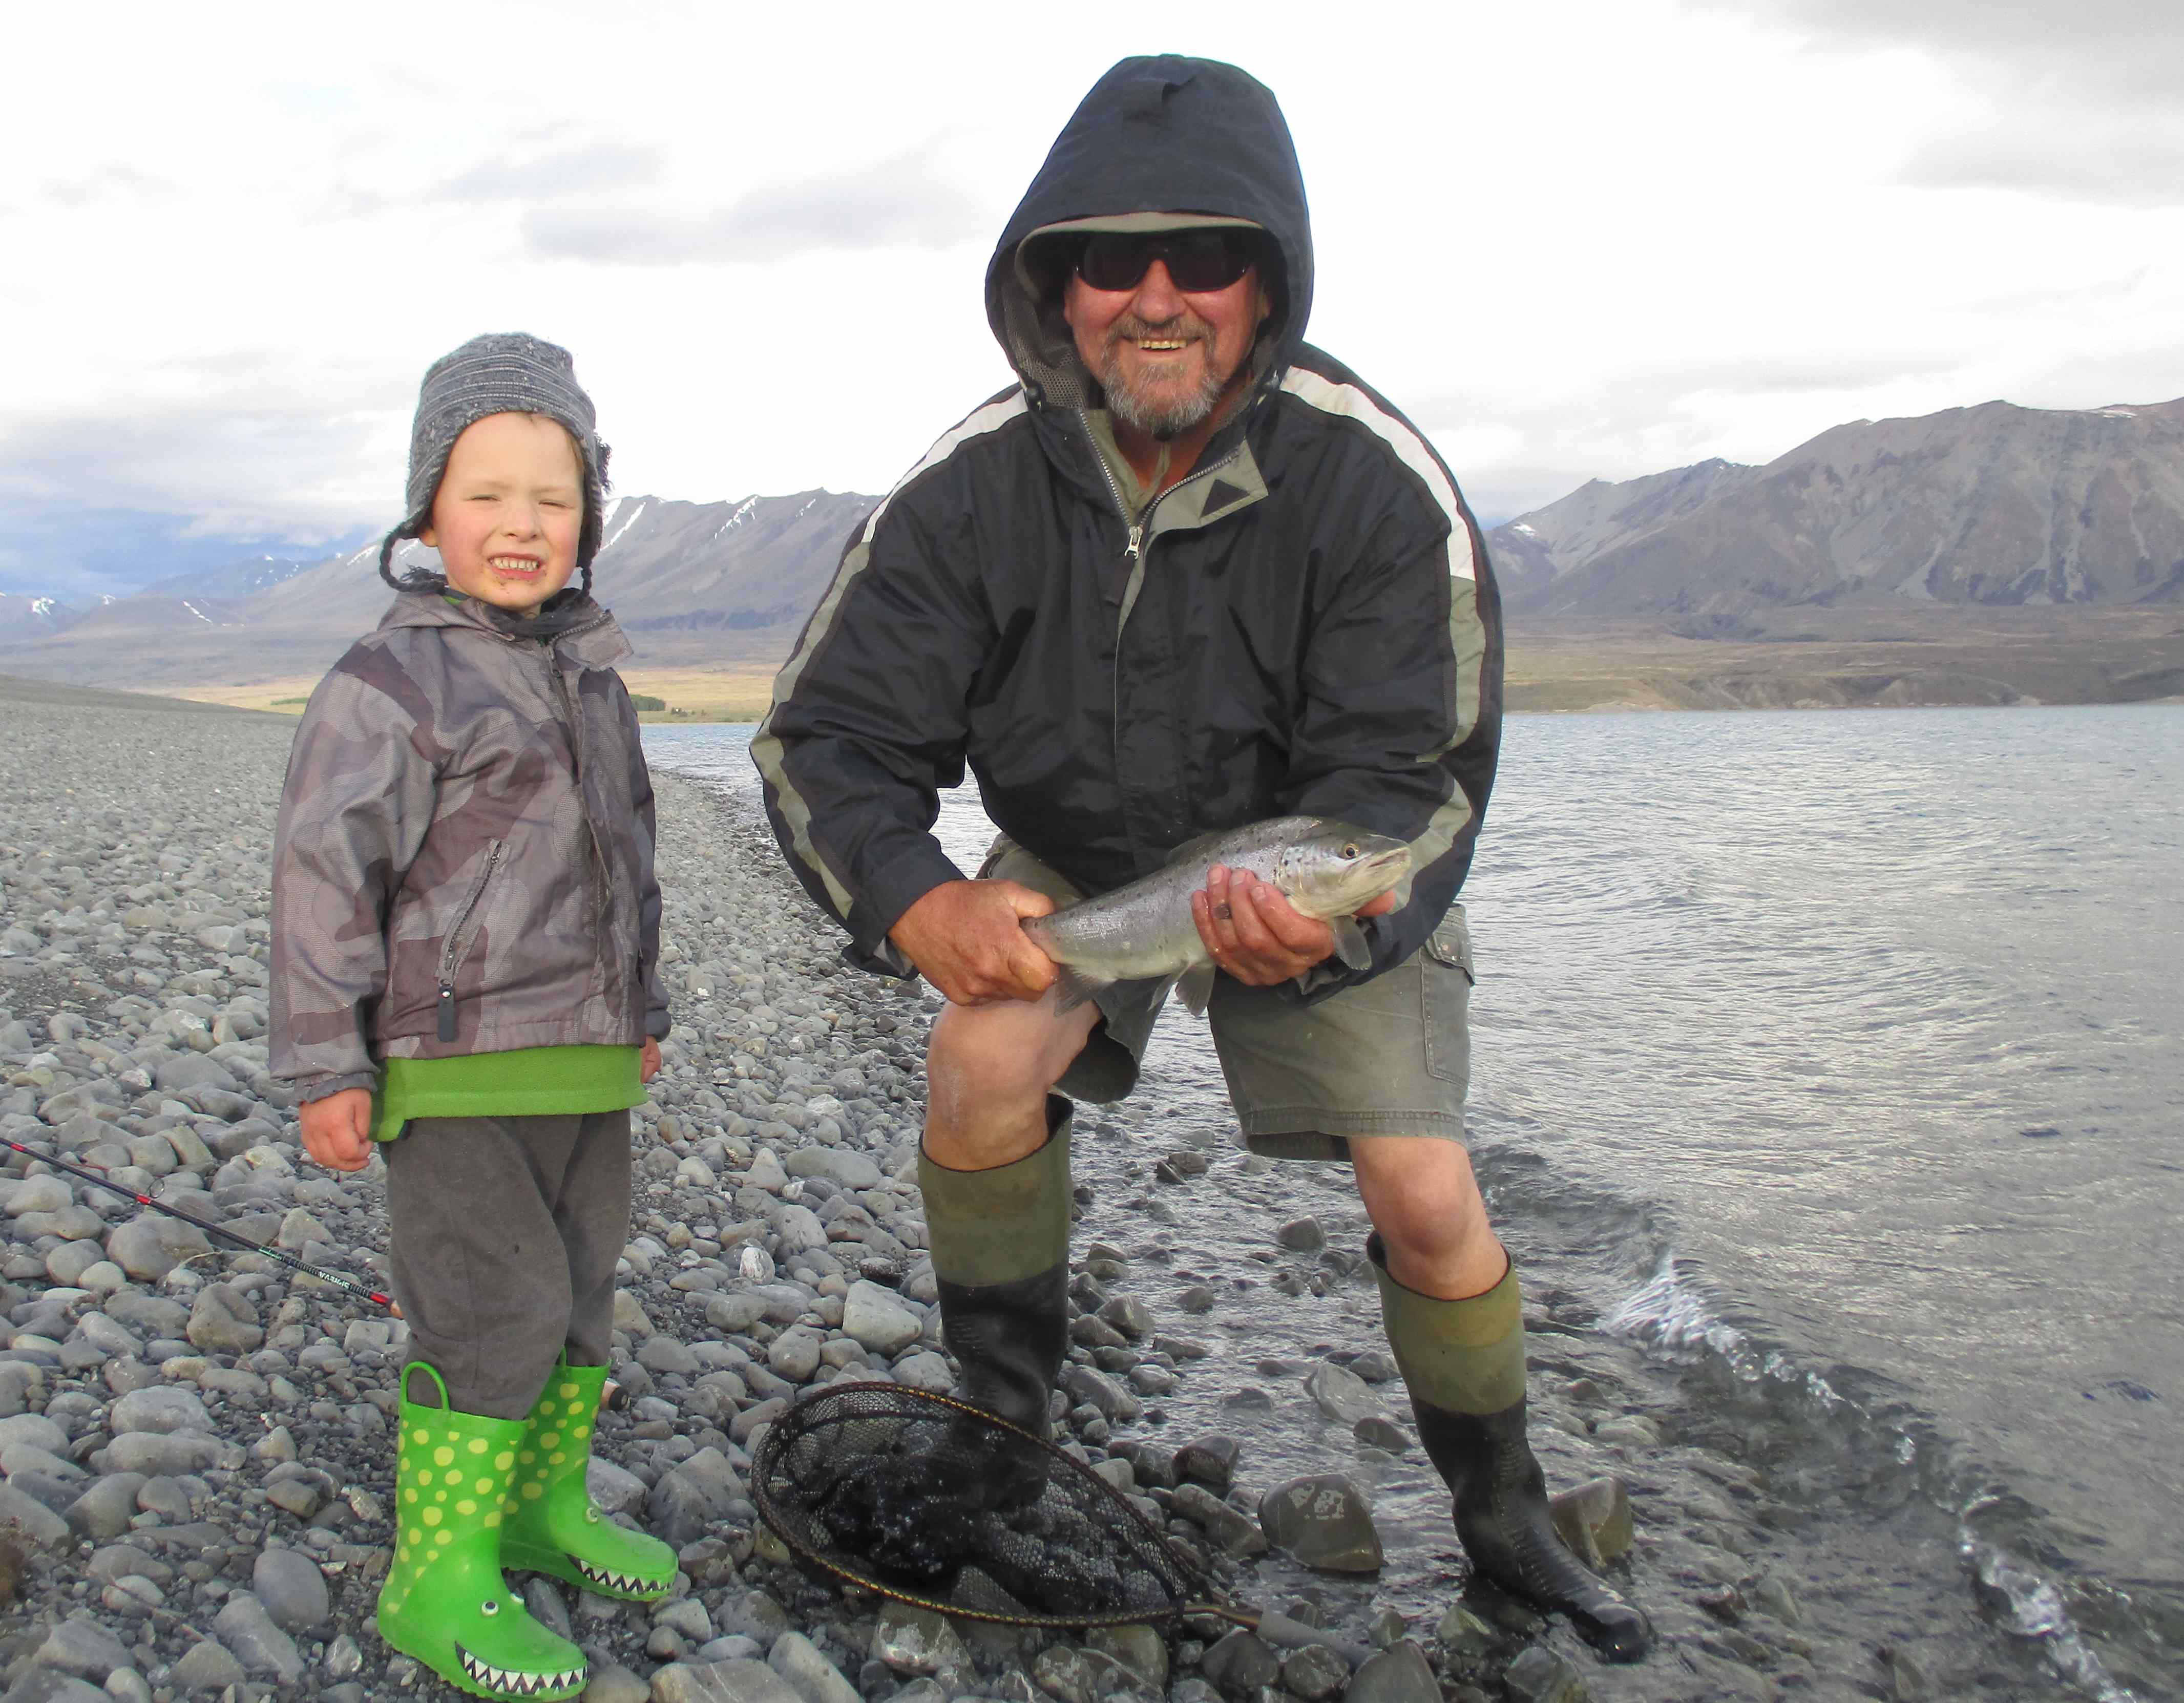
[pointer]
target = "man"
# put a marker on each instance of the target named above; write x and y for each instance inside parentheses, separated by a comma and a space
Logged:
(1189, 574)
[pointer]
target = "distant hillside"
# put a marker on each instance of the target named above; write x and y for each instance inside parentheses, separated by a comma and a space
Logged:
(1993, 505)
(225, 584)
(1981, 509)
(690, 581)
(24, 619)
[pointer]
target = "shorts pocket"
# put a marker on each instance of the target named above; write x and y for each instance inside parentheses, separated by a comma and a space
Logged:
(1446, 973)
(1451, 943)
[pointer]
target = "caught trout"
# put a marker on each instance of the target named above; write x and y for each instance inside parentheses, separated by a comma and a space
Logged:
(1143, 932)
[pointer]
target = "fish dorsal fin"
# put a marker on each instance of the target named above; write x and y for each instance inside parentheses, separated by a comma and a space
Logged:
(1197, 850)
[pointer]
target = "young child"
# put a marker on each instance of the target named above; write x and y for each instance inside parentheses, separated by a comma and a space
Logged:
(466, 930)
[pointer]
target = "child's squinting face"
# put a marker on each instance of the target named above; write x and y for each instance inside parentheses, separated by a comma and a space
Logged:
(508, 511)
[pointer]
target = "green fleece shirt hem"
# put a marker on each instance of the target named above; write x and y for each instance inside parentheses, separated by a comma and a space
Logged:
(528, 1081)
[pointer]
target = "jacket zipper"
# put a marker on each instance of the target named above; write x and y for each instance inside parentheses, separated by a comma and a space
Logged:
(1134, 551)
(451, 953)
(1134, 545)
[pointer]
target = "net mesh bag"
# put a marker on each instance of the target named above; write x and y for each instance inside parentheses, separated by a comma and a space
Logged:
(933, 1501)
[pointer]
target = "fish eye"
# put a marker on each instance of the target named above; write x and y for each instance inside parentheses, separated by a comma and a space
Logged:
(1350, 849)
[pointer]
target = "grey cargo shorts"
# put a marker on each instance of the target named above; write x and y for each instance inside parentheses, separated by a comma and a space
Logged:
(1392, 1057)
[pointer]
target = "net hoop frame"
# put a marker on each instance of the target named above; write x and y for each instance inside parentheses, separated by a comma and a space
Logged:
(920, 1403)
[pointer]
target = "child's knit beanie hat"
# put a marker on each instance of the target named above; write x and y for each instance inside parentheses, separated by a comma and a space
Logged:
(502, 372)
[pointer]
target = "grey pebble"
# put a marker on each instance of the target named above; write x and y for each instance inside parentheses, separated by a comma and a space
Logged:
(1540, 1676)
(107, 1509)
(83, 1647)
(721, 1682)
(290, 1585)
(206, 1667)
(612, 1682)
(1398, 1675)
(248, 1631)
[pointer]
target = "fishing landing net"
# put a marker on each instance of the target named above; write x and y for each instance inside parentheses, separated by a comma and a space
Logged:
(932, 1501)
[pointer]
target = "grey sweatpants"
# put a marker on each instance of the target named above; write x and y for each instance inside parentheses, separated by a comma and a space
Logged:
(505, 1232)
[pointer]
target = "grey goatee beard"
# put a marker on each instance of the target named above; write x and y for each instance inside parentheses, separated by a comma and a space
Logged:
(1157, 417)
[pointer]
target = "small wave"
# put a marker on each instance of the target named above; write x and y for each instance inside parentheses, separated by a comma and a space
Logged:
(1672, 1318)
(1670, 1315)
(2026, 1603)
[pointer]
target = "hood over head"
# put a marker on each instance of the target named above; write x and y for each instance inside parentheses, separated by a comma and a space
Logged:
(1160, 142)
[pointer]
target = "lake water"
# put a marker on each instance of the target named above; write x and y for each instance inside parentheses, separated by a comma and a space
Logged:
(1846, 1049)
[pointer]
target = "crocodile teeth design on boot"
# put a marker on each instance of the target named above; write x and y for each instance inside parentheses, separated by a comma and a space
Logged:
(1464, 1362)
(495, 1682)
(553, 1525)
(444, 1602)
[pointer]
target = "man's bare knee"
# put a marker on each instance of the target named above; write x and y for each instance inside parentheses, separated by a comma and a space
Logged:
(989, 1068)
(1012, 1049)
(1424, 1201)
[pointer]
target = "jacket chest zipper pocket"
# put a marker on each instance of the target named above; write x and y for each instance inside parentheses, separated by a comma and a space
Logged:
(451, 955)
(575, 724)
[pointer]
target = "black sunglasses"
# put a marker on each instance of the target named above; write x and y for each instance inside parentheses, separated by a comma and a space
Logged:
(1197, 260)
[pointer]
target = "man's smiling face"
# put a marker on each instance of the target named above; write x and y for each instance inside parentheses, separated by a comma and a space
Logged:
(1166, 357)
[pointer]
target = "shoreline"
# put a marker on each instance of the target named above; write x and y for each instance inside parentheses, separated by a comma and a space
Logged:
(271, 1400)
(1904, 656)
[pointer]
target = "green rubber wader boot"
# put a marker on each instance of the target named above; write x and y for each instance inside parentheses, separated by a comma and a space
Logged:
(1001, 1260)
(1464, 1362)
(553, 1526)
(444, 1602)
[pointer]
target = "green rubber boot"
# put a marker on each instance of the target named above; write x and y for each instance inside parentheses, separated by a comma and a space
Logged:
(444, 1602)
(553, 1525)
(1001, 1260)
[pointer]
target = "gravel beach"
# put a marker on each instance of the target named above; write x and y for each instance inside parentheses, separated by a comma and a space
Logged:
(196, 1441)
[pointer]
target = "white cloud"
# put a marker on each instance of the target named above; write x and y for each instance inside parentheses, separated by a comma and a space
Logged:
(914, 198)
(2072, 99)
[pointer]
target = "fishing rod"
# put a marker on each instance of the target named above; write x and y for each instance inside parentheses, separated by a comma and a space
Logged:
(94, 1175)
(614, 1397)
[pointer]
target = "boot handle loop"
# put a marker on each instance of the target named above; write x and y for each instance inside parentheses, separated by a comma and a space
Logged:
(431, 1371)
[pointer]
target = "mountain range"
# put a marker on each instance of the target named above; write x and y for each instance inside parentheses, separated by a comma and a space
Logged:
(1992, 508)
(690, 582)
(1994, 505)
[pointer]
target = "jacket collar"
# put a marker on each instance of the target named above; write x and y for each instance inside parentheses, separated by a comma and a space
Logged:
(580, 629)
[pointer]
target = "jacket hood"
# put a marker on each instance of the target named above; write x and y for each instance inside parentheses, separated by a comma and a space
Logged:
(573, 621)
(1161, 135)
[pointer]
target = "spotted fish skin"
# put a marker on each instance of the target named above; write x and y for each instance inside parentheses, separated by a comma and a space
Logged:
(1326, 869)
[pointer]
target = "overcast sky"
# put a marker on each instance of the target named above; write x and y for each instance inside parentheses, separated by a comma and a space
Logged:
(1571, 240)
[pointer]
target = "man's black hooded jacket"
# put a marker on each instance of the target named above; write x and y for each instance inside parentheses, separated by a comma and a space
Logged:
(1305, 624)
